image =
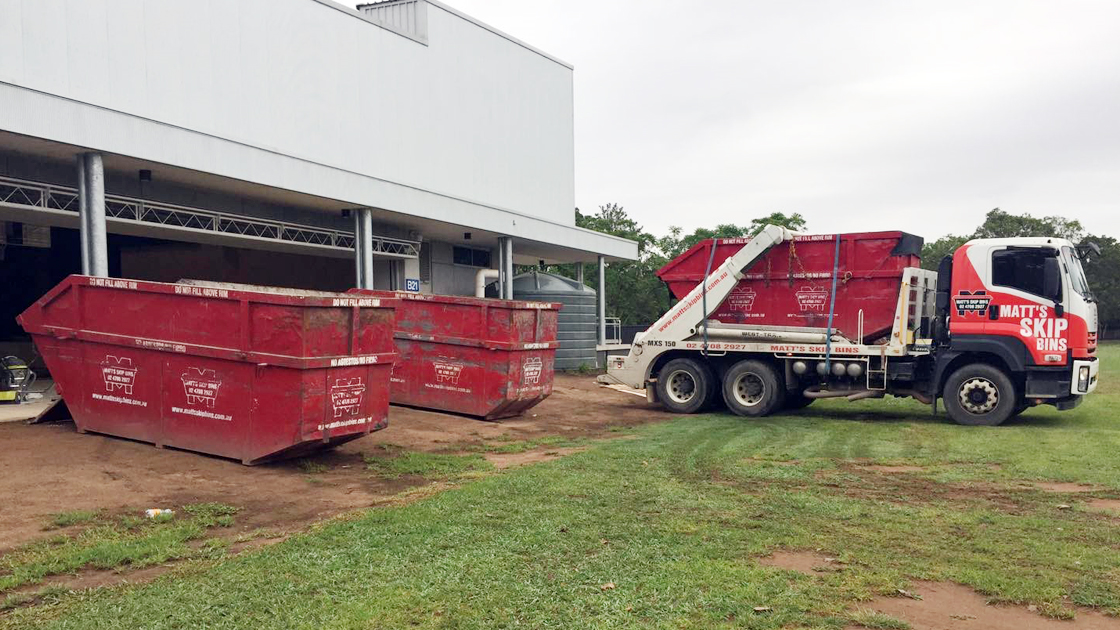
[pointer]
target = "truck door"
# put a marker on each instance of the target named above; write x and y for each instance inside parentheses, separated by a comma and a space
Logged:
(1027, 293)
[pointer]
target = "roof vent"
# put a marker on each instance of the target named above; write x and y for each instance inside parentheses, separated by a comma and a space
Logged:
(407, 17)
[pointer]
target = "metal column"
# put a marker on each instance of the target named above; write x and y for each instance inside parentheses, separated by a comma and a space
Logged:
(83, 213)
(602, 301)
(505, 283)
(579, 272)
(91, 209)
(363, 248)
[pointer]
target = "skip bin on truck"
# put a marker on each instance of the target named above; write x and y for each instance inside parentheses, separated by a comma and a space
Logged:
(782, 319)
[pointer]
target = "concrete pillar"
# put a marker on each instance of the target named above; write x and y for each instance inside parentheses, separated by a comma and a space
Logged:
(359, 255)
(83, 213)
(602, 300)
(363, 248)
(508, 288)
(579, 272)
(93, 232)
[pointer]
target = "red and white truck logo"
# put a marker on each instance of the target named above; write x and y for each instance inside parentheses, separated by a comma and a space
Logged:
(346, 395)
(118, 374)
(741, 298)
(447, 373)
(812, 299)
(201, 386)
(971, 302)
(531, 371)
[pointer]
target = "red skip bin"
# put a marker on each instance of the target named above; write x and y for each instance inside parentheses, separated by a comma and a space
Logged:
(250, 373)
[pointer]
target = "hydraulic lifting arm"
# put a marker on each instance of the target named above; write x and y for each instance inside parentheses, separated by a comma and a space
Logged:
(684, 319)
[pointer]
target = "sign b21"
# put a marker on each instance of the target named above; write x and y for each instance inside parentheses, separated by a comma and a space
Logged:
(412, 284)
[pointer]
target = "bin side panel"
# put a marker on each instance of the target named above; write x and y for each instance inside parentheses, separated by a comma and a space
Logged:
(349, 400)
(276, 329)
(123, 389)
(375, 332)
(61, 311)
(206, 405)
(65, 361)
(151, 315)
(327, 331)
(528, 377)
(445, 376)
(279, 403)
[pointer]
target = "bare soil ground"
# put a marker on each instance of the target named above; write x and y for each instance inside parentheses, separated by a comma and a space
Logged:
(50, 468)
(944, 605)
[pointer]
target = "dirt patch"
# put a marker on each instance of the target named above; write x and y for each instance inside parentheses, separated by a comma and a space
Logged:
(800, 561)
(1065, 488)
(1107, 506)
(51, 468)
(950, 606)
(510, 460)
(893, 469)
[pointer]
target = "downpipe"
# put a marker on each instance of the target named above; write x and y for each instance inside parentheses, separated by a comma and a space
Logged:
(480, 278)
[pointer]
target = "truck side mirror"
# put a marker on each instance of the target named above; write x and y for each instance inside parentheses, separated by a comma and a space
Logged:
(1087, 250)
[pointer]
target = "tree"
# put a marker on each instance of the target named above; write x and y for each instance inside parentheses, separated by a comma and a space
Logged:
(934, 251)
(634, 292)
(1000, 224)
(795, 222)
(674, 245)
(1103, 274)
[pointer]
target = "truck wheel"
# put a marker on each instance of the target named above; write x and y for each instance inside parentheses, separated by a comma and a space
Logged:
(713, 399)
(979, 394)
(752, 388)
(683, 385)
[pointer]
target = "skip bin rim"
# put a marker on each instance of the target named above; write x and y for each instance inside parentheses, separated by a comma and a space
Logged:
(31, 322)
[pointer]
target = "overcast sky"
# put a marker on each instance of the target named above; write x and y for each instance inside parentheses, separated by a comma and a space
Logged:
(859, 114)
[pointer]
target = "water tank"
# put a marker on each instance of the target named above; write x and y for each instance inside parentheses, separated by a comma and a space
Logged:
(578, 328)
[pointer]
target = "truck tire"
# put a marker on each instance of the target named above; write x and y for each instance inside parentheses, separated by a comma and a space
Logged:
(684, 385)
(752, 388)
(979, 395)
(714, 399)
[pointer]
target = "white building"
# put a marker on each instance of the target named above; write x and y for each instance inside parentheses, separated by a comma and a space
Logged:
(241, 141)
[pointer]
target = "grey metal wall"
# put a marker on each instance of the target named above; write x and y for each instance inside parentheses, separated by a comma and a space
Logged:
(472, 128)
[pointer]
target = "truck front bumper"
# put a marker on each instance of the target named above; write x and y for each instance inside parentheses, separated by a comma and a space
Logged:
(1085, 373)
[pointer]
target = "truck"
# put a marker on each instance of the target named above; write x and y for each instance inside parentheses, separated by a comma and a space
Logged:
(1004, 324)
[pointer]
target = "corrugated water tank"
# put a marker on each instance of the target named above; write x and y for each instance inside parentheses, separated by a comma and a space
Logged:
(577, 331)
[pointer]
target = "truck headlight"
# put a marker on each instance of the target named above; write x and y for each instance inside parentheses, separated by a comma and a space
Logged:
(1083, 379)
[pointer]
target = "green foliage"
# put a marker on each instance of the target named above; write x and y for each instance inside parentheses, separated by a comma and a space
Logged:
(1000, 224)
(431, 465)
(634, 292)
(934, 251)
(110, 543)
(1102, 272)
(73, 517)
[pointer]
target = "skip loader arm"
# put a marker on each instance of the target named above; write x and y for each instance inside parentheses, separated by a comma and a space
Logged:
(684, 319)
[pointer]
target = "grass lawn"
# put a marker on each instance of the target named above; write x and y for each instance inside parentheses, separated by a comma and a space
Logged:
(664, 531)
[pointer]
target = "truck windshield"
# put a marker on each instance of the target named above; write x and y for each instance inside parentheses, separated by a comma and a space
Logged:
(1076, 272)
